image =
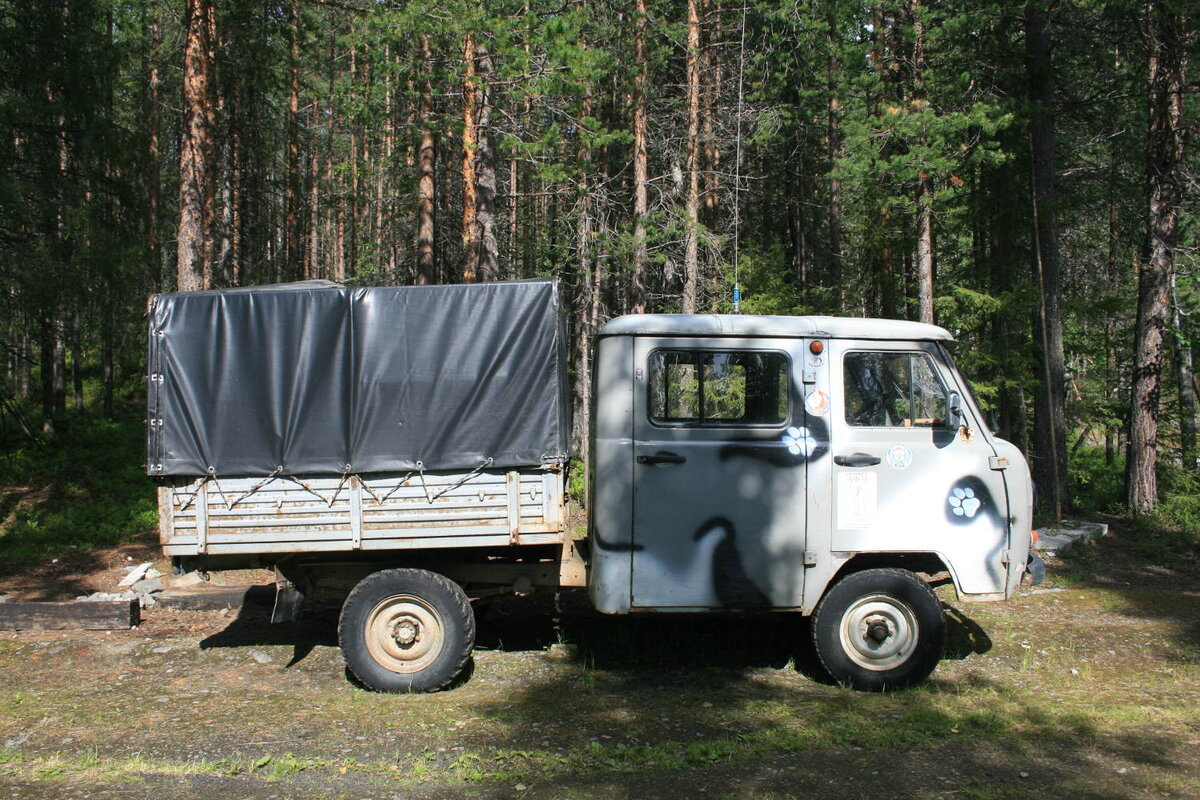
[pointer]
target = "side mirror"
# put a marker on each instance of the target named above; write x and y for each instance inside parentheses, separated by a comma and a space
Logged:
(954, 412)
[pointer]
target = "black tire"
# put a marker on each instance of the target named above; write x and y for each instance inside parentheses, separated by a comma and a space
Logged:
(879, 629)
(406, 630)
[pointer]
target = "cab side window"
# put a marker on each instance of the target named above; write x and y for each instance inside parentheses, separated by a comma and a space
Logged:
(893, 390)
(696, 387)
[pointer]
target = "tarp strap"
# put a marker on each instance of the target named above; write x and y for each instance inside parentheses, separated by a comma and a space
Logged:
(395, 488)
(212, 474)
(190, 499)
(370, 491)
(257, 486)
(307, 488)
(486, 463)
(341, 483)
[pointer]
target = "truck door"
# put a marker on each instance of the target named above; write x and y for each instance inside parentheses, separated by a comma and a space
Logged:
(904, 478)
(719, 474)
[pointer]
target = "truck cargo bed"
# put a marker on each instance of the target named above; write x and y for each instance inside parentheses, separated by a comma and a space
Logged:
(386, 511)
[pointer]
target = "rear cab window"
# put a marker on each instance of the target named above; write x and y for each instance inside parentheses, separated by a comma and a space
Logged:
(695, 388)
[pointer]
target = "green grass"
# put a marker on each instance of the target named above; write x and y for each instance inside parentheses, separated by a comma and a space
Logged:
(83, 489)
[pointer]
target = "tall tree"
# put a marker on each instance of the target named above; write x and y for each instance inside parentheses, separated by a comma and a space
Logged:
(1050, 426)
(691, 215)
(1169, 33)
(196, 168)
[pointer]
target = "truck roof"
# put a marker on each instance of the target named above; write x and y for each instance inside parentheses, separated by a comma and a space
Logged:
(751, 325)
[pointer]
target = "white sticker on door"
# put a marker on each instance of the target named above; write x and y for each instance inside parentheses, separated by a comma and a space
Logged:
(857, 500)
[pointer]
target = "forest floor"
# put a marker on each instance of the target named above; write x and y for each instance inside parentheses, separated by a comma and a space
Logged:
(1086, 687)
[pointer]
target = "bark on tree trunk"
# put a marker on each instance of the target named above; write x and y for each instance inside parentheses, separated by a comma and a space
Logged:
(470, 141)
(426, 160)
(77, 361)
(924, 181)
(293, 239)
(925, 249)
(1165, 162)
(640, 164)
(691, 241)
(46, 368)
(834, 144)
(196, 184)
(1050, 423)
(1187, 390)
(154, 272)
(485, 172)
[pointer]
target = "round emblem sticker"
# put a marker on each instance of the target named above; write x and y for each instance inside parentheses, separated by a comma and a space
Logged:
(816, 403)
(899, 456)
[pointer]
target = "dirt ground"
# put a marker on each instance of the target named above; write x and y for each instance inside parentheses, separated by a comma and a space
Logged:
(1088, 687)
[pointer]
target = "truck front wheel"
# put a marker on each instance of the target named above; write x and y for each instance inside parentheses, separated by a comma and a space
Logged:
(406, 630)
(879, 629)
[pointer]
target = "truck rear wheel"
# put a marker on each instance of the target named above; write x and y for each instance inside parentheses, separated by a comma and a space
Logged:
(406, 630)
(879, 629)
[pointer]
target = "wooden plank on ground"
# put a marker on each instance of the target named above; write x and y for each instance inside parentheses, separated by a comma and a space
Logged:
(99, 616)
(215, 598)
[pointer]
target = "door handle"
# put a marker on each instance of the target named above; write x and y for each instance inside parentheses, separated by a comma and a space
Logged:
(661, 457)
(857, 460)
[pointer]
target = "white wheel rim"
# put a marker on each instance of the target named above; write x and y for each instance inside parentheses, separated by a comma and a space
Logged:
(404, 633)
(879, 632)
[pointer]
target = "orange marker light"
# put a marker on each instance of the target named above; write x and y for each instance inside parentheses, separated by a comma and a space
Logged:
(1033, 535)
(816, 347)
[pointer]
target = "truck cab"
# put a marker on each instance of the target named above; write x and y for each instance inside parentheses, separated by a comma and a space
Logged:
(758, 462)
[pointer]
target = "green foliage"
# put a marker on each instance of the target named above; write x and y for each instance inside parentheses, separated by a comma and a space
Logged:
(85, 489)
(1095, 484)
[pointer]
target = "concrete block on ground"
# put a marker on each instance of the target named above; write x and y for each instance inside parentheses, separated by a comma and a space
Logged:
(1069, 532)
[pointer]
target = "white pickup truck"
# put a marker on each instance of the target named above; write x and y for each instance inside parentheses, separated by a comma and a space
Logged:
(404, 450)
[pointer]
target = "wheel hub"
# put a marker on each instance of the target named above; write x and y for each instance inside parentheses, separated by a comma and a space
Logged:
(877, 629)
(406, 632)
(878, 632)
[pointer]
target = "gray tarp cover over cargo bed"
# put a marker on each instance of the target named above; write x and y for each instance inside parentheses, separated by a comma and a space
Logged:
(317, 378)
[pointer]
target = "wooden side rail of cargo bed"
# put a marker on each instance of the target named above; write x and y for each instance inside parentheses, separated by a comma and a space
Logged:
(391, 511)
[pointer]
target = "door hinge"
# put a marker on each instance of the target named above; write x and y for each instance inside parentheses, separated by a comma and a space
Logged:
(997, 462)
(1006, 557)
(810, 558)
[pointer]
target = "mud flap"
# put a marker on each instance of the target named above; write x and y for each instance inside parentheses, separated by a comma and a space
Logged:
(1036, 569)
(288, 602)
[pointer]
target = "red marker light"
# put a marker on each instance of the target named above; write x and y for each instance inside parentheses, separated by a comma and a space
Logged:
(816, 347)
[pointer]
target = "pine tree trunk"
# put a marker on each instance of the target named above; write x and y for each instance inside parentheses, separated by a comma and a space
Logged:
(691, 241)
(833, 138)
(485, 172)
(640, 165)
(293, 240)
(426, 161)
(196, 179)
(925, 250)
(1187, 390)
(312, 258)
(46, 337)
(1165, 162)
(77, 361)
(470, 142)
(1050, 423)
(154, 271)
